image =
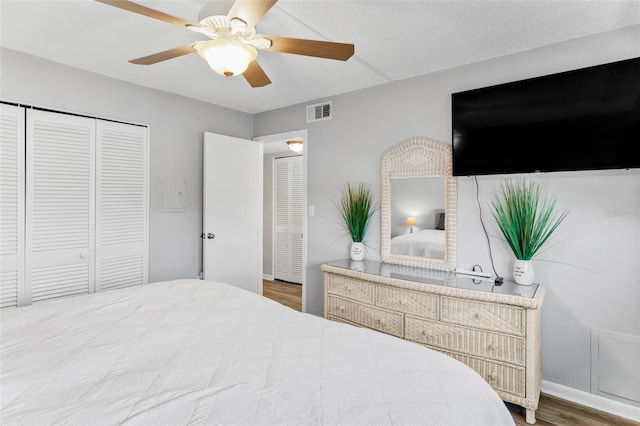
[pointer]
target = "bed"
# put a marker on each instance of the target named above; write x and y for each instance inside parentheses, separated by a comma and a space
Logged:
(424, 243)
(201, 352)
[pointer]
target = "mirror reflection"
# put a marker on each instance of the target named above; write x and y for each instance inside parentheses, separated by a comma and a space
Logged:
(418, 217)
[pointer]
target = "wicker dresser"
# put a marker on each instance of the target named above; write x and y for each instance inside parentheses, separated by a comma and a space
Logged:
(493, 329)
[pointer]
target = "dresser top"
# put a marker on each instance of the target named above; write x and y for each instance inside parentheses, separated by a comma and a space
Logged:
(445, 279)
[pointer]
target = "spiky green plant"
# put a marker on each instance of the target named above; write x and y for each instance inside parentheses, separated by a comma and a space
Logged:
(526, 216)
(356, 206)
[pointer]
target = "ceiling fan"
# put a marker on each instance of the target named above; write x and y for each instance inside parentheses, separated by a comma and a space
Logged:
(233, 44)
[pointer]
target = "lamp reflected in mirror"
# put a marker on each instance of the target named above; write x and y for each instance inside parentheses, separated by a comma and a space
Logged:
(411, 222)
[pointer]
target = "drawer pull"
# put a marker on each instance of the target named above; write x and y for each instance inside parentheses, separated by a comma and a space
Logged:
(493, 376)
(341, 308)
(492, 347)
(476, 316)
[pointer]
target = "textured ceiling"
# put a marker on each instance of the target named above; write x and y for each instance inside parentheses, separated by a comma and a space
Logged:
(393, 40)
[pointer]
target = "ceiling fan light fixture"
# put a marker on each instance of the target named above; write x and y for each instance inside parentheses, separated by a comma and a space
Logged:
(227, 57)
(295, 146)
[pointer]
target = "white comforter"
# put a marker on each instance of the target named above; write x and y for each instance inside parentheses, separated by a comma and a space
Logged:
(425, 243)
(200, 352)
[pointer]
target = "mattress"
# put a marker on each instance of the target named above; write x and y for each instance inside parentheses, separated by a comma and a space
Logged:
(201, 352)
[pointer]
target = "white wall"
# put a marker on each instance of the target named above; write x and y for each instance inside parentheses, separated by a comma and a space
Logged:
(596, 282)
(176, 131)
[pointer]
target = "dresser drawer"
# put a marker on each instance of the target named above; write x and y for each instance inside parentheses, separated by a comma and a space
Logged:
(367, 316)
(471, 341)
(501, 377)
(342, 320)
(350, 288)
(485, 315)
(410, 302)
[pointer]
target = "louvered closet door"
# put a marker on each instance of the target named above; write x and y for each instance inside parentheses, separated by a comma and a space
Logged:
(121, 194)
(288, 216)
(60, 214)
(296, 199)
(11, 206)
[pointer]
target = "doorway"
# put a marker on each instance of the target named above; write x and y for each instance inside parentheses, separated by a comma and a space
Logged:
(275, 147)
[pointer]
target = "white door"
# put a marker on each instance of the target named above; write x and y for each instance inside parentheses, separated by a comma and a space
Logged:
(288, 218)
(60, 205)
(232, 211)
(11, 206)
(121, 205)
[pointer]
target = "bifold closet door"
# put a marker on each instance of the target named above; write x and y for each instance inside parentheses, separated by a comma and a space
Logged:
(121, 205)
(60, 205)
(288, 217)
(11, 205)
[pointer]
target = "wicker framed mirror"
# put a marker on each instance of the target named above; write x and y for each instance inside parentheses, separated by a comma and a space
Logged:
(418, 205)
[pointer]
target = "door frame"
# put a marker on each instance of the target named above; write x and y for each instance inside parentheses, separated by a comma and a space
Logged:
(280, 137)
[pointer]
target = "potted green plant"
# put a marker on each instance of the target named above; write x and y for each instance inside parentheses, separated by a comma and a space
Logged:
(356, 206)
(527, 217)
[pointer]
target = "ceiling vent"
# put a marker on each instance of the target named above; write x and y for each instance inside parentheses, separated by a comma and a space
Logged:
(319, 112)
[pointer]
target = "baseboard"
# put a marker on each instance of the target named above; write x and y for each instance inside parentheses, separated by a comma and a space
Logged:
(267, 277)
(592, 401)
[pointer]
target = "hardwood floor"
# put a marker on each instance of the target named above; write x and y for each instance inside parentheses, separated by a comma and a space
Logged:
(286, 293)
(554, 411)
(551, 411)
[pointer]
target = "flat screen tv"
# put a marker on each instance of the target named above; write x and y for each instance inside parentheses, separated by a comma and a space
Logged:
(585, 119)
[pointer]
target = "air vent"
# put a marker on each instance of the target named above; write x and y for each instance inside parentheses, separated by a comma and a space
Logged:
(319, 112)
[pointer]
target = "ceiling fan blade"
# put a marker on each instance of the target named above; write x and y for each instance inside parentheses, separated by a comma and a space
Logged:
(317, 48)
(143, 10)
(250, 11)
(256, 76)
(163, 56)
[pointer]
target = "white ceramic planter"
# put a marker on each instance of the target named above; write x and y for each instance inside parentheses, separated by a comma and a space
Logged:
(357, 251)
(523, 272)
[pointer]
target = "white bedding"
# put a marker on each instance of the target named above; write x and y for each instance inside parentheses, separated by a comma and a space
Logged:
(425, 243)
(200, 352)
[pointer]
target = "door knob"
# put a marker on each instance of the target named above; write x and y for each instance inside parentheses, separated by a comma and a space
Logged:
(210, 236)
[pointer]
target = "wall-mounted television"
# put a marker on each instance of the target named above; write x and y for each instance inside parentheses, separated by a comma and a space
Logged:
(585, 119)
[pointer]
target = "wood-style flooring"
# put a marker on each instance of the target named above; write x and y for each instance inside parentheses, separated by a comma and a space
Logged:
(286, 293)
(554, 411)
(551, 411)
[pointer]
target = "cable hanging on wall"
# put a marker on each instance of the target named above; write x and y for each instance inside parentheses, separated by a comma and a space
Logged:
(498, 279)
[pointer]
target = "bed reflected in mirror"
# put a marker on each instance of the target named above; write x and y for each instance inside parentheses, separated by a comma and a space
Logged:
(417, 217)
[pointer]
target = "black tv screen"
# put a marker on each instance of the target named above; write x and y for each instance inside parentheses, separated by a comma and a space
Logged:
(585, 119)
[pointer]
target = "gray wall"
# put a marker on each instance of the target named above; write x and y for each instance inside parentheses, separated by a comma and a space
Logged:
(591, 269)
(176, 132)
